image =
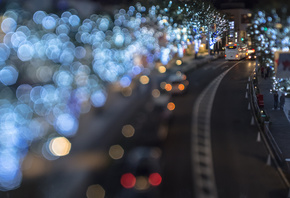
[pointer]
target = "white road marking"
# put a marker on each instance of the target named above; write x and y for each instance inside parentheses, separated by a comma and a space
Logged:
(213, 67)
(203, 174)
(218, 66)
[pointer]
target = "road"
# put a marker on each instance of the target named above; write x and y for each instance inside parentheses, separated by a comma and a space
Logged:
(206, 147)
(213, 152)
(240, 161)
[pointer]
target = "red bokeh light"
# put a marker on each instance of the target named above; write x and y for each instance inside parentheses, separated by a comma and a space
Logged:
(155, 179)
(128, 180)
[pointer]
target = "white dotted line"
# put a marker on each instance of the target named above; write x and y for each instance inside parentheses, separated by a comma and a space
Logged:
(203, 174)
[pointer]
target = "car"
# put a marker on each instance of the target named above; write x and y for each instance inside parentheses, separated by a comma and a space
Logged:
(141, 172)
(252, 56)
(176, 83)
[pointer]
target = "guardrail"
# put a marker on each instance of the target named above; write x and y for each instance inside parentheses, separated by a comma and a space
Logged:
(263, 121)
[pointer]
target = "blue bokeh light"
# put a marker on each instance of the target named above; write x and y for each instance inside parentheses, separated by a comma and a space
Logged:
(38, 16)
(80, 52)
(48, 23)
(25, 51)
(125, 81)
(66, 125)
(98, 98)
(8, 75)
(8, 25)
(4, 52)
(74, 20)
(10, 175)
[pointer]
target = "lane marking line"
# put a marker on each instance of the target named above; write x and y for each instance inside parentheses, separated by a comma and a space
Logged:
(202, 162)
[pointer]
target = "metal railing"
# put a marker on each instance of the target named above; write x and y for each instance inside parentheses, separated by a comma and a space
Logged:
(263, 120)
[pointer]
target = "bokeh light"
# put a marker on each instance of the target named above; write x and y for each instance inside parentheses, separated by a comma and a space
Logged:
(162, 69)
(144, 79)
(127, 91)
(178, 62)
(98, 98)
(116, 152)
(8, 25)
(142, 183)
(60, 146)
(128, 180)
(181, 87)
(168, 87)
(163, 84)
(8, 75)
(95, 191)
(155, 93)
(128, 130)
(155, 179)
(66, 124)
(171, 106)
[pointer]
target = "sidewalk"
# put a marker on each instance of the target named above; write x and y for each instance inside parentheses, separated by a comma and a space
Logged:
(278, 130)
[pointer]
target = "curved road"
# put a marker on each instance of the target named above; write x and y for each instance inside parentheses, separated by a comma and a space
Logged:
(212, 149)
(240, 161)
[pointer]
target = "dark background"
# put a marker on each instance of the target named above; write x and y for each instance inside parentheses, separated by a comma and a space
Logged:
(251, 4)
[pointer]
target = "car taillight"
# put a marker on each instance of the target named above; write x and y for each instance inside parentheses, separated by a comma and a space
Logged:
(128, 180)
(225, 55)
(237, 56)
(155, 179)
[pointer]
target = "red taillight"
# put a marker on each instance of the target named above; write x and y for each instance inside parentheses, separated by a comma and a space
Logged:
(155, 179)
(128, 180)
(225, 55)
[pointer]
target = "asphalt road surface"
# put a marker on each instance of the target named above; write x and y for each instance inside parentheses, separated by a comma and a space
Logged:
(212, 148)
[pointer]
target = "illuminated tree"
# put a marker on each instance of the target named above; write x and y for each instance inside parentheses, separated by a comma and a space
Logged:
(54, 68)
(270, 32)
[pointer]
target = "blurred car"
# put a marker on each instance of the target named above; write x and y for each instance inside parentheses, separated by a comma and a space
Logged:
(177, 83)
(141, 172)
(252, 56)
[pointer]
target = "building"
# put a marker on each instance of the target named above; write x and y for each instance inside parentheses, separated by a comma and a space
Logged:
(240, 20)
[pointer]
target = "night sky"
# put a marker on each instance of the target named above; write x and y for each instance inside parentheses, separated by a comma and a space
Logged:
(250, 4)
(256, 4)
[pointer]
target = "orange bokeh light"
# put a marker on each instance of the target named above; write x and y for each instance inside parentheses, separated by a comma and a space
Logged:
(171, 106)
(168, 87)
(181, 87)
